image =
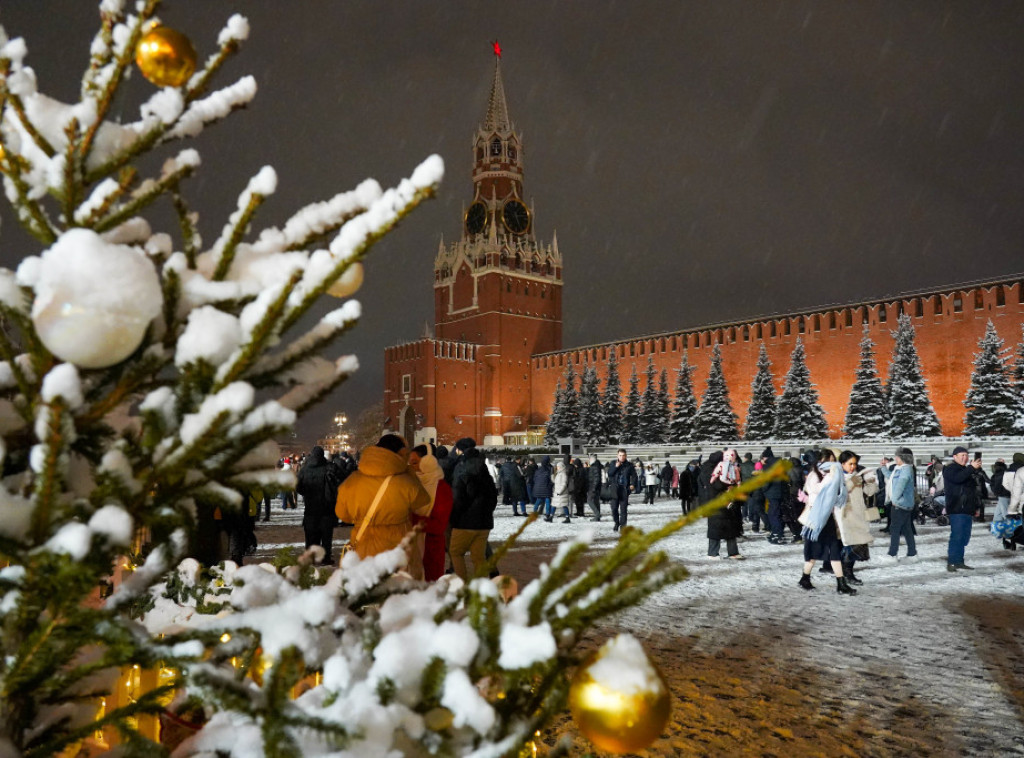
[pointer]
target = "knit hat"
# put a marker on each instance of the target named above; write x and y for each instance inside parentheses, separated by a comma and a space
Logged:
(391, 442)
(1018, 458)
(465, 444)
(767, 453)
(957, 450)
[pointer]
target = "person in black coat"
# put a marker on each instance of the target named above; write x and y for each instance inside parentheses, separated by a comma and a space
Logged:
(595, 478)
(725, 523)
(688, 485)
(474, 498)
(318, 484)
(543, 486)
(529, 469)
(513, 483)
(623, 474)
(578, 485)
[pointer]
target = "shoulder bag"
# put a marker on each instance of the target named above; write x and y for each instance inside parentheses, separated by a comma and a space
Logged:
(351, 544)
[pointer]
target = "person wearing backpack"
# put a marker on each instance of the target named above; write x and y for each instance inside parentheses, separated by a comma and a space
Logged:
(318, 484)
(474, 499)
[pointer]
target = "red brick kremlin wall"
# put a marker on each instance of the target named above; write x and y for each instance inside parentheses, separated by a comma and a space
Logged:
(948, 326)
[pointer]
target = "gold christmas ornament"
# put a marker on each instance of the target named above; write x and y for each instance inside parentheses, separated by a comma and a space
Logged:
(165, 57)
(618, 698)
(349, 282)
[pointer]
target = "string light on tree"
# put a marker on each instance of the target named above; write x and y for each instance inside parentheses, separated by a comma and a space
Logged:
(165, 56)
(618, 698)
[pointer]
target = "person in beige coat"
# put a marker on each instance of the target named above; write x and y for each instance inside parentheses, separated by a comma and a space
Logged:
(853, 519)
(403, 496)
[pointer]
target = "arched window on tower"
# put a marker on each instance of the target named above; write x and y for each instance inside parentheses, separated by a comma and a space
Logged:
(495, 147)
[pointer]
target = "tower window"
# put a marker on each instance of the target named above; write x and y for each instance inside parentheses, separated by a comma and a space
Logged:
(800, 327)
(979, 300)
(832, 320)
(881, 314)
(817, 323)
(958, 303)
(775, 331)
(1000, 296)
(918, 307)
(511, 153)
(496, 147)
(789, 327)
(849, 317)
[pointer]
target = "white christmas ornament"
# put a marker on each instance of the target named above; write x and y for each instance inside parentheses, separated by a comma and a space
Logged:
(94, 299)
(349, 282)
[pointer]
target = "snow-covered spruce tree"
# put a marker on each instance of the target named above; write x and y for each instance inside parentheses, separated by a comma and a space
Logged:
(760, 419)
(990, 402)
(556, 421)
(630, 432)
(866, 413)
(589, 427)
(611, 402)
(570, 401)
(1017, 376)
(131, 362)
(649, 432)
(798, 415)
(663, 406)
(910, 410)
(715, 419)
(685, 404)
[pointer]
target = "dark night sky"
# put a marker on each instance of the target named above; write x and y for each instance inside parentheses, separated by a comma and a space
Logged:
(733, 158)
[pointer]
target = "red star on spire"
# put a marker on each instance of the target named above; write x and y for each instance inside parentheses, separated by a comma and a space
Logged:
(497, 48)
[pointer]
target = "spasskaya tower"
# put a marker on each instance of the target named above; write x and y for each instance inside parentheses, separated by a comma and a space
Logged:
(497, 302)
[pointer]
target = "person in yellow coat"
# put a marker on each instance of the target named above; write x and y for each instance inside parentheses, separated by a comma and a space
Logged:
(403, 496)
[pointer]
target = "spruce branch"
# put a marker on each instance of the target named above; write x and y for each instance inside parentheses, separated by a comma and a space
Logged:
(18, 105)
(189, 232)
(47, 485)
(141, 199)
(225, 250)
(314, 293)
(102, 50)
(120, 64)
(69, 194)
(30, 212)
(267, 328)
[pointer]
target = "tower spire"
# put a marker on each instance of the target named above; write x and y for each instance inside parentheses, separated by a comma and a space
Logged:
(497, 108)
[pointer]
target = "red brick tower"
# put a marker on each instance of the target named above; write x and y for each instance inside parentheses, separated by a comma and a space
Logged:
(498, 287)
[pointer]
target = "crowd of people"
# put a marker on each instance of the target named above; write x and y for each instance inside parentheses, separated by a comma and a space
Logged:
(827, 501)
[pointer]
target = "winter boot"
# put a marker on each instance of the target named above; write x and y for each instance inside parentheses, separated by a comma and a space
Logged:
(843, 588)
(805, 582)
(826, 568)
(848, 574)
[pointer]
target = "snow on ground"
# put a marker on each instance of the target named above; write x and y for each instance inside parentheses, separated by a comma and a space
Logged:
(919, 662)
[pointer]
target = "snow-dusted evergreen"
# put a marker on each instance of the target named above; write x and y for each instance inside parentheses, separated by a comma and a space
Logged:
(866, 412)
(910, 410)
(798, 413)
(144, 378)
(630, 433)
(991, 405)
(760, 419)
(715, 419)
(556, 426)
(684, 407)
(589, 427)
(570, 401)
(1017, 376)
(663, 406)
(611, 403)
(651, 420)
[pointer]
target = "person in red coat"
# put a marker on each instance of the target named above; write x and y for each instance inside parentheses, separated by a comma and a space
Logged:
(435, 523)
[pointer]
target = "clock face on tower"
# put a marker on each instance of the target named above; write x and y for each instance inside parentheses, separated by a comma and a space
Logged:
(476, 218)
(515, 217)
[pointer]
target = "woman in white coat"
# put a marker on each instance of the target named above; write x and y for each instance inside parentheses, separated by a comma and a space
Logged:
(560, 494)
(853, 519)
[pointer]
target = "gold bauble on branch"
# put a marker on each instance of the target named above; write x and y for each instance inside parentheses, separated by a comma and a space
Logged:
(618, 698)
(349, 282)
(165, 56)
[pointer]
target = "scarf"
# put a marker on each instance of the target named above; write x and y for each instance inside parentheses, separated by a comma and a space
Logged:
(831, 495)
(430, 474)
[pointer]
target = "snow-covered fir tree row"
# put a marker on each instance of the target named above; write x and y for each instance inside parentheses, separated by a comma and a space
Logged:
(898, 408)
